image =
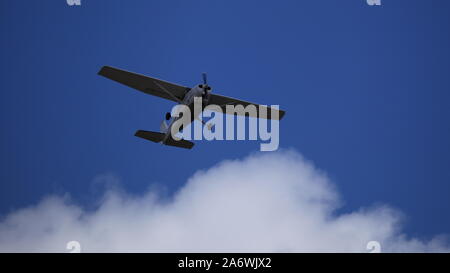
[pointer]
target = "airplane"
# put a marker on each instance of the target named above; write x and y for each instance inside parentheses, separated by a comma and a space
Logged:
(180, 94)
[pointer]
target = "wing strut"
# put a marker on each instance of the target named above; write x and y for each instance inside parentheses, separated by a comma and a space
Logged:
(167, 92)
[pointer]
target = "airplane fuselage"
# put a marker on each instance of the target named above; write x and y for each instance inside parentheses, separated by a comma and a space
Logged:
(195, 91)
(188, 100)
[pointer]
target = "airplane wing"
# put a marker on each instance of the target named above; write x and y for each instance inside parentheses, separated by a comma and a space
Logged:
(223, 101)
(145, 84)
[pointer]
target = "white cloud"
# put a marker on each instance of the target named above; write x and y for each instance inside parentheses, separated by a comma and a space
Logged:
(266, 202)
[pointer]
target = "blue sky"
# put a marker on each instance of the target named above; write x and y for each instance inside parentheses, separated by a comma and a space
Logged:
(365, 90)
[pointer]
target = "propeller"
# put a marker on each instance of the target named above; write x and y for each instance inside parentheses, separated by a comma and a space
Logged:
(205, 84)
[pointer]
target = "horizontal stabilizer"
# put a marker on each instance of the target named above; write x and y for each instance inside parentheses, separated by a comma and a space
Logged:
(179, 143)
(158, 137)
(152, 136)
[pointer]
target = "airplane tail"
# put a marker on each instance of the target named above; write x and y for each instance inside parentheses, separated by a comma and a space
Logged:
(159, 137)
(152, 136)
